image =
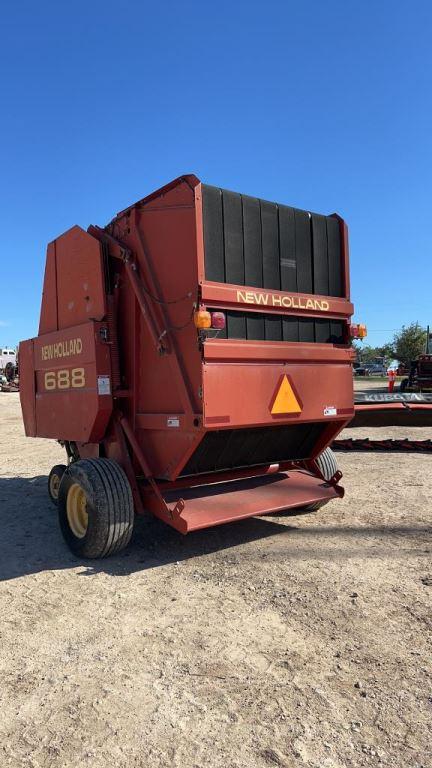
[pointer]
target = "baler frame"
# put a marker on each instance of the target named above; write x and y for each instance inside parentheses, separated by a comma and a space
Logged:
(164, 482)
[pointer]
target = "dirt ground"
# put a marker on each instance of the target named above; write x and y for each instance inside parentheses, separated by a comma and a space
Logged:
(296, 640)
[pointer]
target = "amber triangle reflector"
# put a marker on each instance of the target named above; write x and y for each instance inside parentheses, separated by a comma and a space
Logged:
(285, 400)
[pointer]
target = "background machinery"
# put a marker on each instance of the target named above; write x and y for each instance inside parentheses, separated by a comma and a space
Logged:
(420, 374)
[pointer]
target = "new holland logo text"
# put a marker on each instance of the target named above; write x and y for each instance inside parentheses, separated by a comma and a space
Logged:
(61, 349)
(276, 300)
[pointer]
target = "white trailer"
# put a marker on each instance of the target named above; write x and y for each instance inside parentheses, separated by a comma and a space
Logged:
(8, 362)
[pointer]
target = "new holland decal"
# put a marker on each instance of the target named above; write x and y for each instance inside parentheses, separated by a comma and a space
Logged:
(284, 300)
(67, 348)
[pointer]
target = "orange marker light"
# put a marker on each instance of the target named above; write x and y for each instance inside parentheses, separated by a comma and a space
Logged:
(358, 331)
(202, 318)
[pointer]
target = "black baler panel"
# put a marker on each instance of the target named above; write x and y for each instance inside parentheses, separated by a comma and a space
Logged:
(290, 328)
(334, 259)
(255, 326)
(252, 242)
(255, 243)
(253, 259)
(235, 325)
(306, 329)
(263, 326)
(288, 267)
(320, 270)
(320, 257)
(270, 245)
(235, 448)
(271, 263)
(214, 234)
(303, 241)
(233, 230)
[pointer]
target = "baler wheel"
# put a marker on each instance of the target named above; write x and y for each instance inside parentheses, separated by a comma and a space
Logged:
(54, 480)
(95, 505)
(328, 466)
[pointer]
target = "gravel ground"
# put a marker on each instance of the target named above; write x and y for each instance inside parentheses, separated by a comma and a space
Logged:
(292, 640)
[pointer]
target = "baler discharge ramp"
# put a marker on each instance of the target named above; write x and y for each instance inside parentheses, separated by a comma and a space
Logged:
(226, 502)
(194, 359)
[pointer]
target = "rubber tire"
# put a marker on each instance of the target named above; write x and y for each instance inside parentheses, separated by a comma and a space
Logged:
(59, 470)
(109, 506)
(328, 466)
(403, 386)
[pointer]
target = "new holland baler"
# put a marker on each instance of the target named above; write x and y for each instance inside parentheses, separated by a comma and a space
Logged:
(194, 359)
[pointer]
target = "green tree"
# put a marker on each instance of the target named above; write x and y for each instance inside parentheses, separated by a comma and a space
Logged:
(364, 352)
(409, 342)
(387, 351)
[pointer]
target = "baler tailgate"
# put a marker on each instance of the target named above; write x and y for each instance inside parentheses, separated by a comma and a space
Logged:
(205, 506)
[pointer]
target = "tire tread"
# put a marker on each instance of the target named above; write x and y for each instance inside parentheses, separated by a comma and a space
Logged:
(328, 465)
(110, 494)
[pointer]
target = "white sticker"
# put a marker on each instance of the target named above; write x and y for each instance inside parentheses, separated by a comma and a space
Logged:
(104, 386)
(330, 410)
(173, 421)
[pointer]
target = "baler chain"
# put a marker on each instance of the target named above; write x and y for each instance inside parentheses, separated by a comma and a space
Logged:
(395, 446)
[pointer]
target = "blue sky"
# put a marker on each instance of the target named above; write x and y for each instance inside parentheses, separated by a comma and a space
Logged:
(321, 105)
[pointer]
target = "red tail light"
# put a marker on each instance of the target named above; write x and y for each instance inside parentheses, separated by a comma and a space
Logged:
(218, 320)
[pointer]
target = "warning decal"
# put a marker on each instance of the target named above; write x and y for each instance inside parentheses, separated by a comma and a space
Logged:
(285, 399)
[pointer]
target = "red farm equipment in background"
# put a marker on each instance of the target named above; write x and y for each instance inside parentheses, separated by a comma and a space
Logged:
(194, 358)
(419, 378)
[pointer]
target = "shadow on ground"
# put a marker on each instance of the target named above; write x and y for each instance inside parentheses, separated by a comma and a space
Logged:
(31, 540)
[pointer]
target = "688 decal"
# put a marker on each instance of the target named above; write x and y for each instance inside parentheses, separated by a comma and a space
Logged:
(66, 378)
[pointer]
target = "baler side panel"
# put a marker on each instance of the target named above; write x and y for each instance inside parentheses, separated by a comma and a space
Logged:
(169, 238)
(72, 373)
(27, 387)
(162, 237)
(74, 282)
(167, 449)
(48, 314)
(80, 278)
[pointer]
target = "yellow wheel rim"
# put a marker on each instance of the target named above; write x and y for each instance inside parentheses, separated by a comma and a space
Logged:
(54, 486)
(76, 510)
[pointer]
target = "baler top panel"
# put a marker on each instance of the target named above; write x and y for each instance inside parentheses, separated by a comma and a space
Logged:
(74, 285)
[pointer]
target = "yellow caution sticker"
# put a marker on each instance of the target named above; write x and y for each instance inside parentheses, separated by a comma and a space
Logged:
(285, 399)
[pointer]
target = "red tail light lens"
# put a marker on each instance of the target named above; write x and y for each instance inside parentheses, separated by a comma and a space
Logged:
(218, 320)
